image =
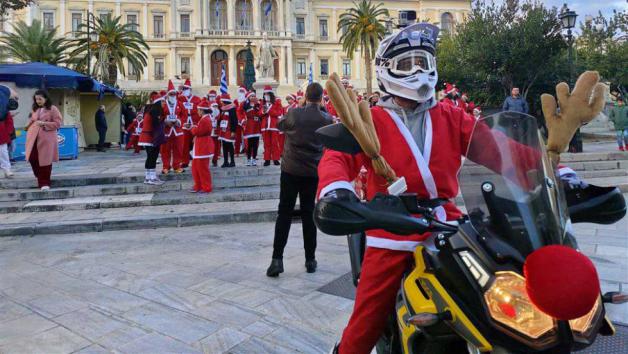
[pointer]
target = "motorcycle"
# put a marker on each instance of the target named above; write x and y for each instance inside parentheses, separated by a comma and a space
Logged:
(467, 292)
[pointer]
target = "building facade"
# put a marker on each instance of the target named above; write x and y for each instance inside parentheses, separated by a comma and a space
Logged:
(197, 38)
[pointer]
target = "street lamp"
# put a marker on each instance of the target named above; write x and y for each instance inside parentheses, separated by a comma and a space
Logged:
(568, 21)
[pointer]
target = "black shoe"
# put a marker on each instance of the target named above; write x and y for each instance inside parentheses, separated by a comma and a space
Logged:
(311, 265)
(276, 163)
(599, 205)
(267, 163)
(232, 164)
(215, 163)
(276, 268)
(224, 164)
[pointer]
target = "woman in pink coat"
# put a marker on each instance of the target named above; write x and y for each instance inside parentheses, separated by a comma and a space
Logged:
(42, 148)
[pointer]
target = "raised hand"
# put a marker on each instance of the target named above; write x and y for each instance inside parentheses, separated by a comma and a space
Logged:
(575, 109)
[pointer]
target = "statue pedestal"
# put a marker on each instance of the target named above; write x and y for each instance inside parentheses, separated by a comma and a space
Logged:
(259, 85)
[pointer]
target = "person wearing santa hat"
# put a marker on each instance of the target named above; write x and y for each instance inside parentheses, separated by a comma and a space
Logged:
(272, 111)
(175, 116)
(450, 95)
(227, 123)
(152, 136)
(252, 127)
(242, 91)
(135, 128)
(214, 112)
(203, 149)
(329, 107)
(477, 112)
(190, 104)
(212, 96)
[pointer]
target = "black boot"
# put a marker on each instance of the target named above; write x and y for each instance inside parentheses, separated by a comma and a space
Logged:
(276, 268)
(267, 163)
(276, 162)
(215, 163)
(311, 265)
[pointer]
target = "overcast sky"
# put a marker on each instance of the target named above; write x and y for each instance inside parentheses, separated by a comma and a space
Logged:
(588, 7)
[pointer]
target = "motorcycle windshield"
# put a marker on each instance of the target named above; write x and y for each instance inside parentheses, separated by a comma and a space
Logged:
(509, 186)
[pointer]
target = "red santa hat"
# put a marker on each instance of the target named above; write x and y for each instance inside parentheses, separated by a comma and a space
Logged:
(290, 96)
(225, 98)
(449, 88)
(154, 97)
(187, 84)
(242, 89)
(250, 94)
(212, 92)
(204, 104)
(268, 89)
(477, 110)
(163, 93)
(171, 88)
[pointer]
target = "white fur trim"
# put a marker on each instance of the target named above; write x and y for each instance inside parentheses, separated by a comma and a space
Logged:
(565, 171)
(145, 144)
(202, 157)
(379, 242)
(336, 185)
(252, 136)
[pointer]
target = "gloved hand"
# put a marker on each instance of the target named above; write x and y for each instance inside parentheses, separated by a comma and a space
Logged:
(342, 194)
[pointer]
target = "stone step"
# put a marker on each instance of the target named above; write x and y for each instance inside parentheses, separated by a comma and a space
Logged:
(134, 188)
(140, 200)
(136, 218)
(593, 156)
(58, 181)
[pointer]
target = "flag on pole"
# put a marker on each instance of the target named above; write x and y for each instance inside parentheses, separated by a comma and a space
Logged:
(310, 77)
(268, 8)
(223, 81)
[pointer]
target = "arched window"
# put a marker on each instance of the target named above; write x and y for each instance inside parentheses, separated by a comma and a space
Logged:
(268, 13)
(219, 59)
(218, 14)
(446, 22)
(240, 65)
(244, 11)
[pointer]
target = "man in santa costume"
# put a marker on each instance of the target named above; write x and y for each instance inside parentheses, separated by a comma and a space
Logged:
(242, 91)
(212, 97)
(272, 111)
(227, 125)
(135, 128)
(252, 127)
(190, 103)
(175, 116)
(450, 95)
(214, 112)
(203, 150)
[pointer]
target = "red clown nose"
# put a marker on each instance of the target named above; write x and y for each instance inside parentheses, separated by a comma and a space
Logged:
(561, 282)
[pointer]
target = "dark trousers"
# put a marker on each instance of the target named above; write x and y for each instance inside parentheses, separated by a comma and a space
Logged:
(253, 144)
(41, 172)
(101, 138)
(290, 187)
(228, 152)
(152, 153)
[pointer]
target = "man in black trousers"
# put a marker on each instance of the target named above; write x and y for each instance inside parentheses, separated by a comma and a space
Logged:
(101, 127)
(299, 177)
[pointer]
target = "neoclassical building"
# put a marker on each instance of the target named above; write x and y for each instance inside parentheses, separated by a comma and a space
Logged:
(197, 37)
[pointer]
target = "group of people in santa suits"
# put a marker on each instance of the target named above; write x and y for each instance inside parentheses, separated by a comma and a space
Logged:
(454, 97)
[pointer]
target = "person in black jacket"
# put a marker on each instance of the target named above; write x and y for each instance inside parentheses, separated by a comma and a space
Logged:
(299, 176)
(228, 124)
(101, 127)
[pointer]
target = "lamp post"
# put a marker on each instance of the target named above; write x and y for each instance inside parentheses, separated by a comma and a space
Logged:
(91, 37)
(568, 21)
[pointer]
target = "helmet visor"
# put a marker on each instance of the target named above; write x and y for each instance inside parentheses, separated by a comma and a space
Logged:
(411, 62)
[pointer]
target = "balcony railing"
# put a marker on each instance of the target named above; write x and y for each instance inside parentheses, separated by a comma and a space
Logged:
(217, 32)
(323, 38)
(300, 36)
(273, 33)
(244, 32)
(159, 77)
(184, 35)
(158, 36)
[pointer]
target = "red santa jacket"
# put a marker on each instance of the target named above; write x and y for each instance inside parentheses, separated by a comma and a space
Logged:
(252, 122)
(176, 116)
(190, 105)
(271, 116)
(227, 123)
(240, 112)
(203, 142)
(134, 128)
(146, 135)
(331, 110)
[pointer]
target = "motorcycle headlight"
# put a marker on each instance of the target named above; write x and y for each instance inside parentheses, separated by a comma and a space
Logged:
(583, 324)
(509, 304)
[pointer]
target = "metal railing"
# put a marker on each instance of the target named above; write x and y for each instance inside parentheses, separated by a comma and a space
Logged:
(217, 32)
(244, 32)
(300, 36)
(159, 77)
(158, 36)
(323, 38)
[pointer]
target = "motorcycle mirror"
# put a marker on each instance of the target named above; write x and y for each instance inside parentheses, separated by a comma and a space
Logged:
(337, 137)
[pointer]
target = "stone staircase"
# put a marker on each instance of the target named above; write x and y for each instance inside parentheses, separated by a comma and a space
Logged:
(105, 201)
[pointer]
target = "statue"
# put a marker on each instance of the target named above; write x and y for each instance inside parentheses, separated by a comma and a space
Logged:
(267, 55)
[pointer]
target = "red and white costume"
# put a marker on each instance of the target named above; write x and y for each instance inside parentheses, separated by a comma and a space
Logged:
(172, 149)
(202, 152)
(226, 124)
(146, 134)
(271, 113)
(135, 129)
(252, 122)
(190, 104)
(242, 92)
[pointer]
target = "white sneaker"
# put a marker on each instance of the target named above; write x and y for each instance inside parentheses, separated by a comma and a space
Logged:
(45, 188)
(249, 162)
(254, 163)
(156, 182)
(146, 181)
(8, 174)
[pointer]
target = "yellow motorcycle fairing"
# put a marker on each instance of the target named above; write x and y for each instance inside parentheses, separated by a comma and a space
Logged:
(437, 301)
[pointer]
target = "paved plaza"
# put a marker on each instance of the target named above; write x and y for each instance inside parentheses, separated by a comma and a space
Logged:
(198, 289)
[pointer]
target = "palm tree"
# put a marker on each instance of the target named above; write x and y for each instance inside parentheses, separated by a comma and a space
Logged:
(362, 27)
(116, 42)
(34, 43)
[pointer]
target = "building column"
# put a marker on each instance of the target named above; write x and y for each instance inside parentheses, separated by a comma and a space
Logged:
(173, 20)
(208, 66)
(62, 18)
(282, 65)
(290, 66)
(231, 17)
(118, 11)
(335, 67)
(90, 6)
(333, 33)
(145, 20)
(232, 67)
(356, 65)
(281, 26)
(196, 67)
(172, 65)
(289, 18)
(256, 17)
(200, 18)
(313, 63)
